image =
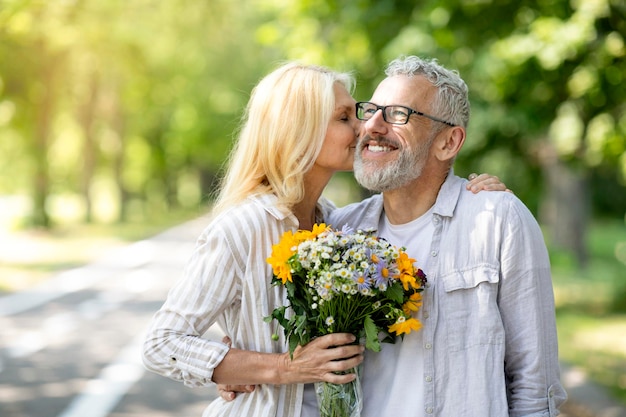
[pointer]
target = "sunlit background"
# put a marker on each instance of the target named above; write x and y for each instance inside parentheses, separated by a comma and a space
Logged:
(116, 117)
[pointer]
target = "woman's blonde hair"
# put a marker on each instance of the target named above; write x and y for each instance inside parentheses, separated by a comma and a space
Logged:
(282, 133)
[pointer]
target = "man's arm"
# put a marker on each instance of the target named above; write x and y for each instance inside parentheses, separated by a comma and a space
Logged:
(526, 303)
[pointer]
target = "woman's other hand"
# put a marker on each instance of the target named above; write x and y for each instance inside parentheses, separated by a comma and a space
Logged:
(485, 182)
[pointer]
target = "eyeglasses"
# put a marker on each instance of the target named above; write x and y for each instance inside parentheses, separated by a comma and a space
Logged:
(396, 115)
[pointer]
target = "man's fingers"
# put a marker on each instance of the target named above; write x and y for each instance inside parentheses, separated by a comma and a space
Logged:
(229, 392)
(227, 395)
(236, 388)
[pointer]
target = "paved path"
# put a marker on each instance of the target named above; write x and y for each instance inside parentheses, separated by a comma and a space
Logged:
(71, 347)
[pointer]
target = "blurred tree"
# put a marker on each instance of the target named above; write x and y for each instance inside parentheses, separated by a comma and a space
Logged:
(31, 69)
(143, 96)
(559, 76)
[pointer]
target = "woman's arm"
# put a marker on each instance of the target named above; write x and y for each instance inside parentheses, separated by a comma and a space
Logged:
(212, 284)
(318, 361)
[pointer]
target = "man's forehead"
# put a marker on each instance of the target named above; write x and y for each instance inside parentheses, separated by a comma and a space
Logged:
(403, 90)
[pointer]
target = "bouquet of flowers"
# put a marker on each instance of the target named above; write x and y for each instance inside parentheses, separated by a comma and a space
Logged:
(344, 281)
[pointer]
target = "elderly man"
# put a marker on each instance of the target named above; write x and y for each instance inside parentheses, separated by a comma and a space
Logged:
(488, 346)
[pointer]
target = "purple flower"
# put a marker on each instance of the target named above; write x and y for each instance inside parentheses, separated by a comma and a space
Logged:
(363, 282)
(347, 230)
(382, 274)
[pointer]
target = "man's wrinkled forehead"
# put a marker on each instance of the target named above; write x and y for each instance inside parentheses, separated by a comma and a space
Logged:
(415, 92)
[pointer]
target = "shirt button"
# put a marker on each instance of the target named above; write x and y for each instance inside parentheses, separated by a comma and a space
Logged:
(426, 315)
(433, 253)
(429, 410)
(436, 219)
(428, 345)
(429, 378)
(427, 285)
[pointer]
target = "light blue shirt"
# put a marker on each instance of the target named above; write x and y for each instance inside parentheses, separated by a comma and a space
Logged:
(490, 343)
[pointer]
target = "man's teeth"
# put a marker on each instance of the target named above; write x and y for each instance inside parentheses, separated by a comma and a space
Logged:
(379, 148)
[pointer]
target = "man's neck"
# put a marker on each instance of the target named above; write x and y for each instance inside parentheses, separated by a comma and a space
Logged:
(409, 202)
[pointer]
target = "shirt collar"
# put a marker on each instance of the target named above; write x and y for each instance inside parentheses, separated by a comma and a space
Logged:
(445, 204)
(269, 202)
(449, 194)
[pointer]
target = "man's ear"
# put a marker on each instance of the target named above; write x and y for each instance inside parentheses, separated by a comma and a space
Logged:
(449, 143)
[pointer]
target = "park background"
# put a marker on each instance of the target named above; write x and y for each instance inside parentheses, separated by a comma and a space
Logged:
(117, 115)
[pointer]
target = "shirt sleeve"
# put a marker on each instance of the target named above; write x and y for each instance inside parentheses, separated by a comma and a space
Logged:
(526, 303)
(174, 346)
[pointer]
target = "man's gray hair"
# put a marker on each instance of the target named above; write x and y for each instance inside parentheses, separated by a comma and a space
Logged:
(451, 102)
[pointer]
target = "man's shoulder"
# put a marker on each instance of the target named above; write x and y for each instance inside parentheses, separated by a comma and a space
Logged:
(363, 214)
(501, 204)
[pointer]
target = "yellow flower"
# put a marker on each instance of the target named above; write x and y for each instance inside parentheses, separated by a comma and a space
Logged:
(285, 249)
(404, 325)
(281, 252)
(413, 304)
(318, 229)
(407, 271)
(302, 235)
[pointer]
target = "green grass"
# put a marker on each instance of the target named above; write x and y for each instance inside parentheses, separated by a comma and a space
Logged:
(591, 307)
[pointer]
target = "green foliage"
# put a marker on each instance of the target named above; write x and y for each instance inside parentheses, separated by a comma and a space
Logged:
(371, 334)
(590, 306)
(149, 94)
(604, 274)
(145, 93)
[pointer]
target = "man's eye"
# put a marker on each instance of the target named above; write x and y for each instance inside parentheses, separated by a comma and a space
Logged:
(398, 114)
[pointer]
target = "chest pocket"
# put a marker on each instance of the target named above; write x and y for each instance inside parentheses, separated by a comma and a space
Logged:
(470, 306)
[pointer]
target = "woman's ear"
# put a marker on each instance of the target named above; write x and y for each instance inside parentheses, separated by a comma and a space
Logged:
(449, 143)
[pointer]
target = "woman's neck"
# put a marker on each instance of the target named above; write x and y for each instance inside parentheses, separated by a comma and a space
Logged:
(305, 210)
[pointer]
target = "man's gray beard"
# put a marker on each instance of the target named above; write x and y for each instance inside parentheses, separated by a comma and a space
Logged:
(393, 174)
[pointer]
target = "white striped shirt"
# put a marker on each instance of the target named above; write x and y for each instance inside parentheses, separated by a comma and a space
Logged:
(227, 281)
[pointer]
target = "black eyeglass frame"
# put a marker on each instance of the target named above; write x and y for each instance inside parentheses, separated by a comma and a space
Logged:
(410, 111)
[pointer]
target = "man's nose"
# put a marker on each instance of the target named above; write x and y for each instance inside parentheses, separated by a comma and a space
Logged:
(376, 124)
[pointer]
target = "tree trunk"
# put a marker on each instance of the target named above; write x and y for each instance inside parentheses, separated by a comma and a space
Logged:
(87, 114)
(120, 158)
(565, 207)
(44, 108)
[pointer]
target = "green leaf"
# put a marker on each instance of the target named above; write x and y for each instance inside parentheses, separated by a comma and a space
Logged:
(293, 344)
(395, 292)
(371, 334)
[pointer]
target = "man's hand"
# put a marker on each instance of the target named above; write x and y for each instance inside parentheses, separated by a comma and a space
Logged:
(229, 392)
